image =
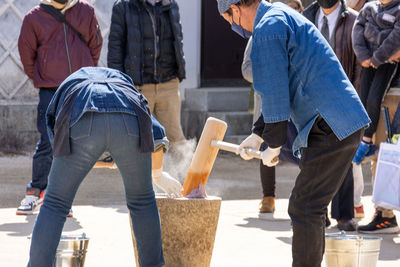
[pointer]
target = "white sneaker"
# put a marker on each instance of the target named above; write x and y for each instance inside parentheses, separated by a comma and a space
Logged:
(32, 202)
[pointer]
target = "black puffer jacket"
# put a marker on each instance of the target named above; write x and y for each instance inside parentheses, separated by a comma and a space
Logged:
(132, 48)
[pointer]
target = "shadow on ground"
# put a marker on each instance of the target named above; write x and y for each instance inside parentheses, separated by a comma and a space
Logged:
(25, 228)
(267, 225)
(385, 254)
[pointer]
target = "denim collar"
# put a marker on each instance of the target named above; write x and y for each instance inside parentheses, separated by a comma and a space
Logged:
(263, 7)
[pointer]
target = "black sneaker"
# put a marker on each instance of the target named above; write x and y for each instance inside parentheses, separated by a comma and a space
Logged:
(380, 225)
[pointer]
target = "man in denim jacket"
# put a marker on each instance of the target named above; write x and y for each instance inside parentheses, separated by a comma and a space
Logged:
(299, 77)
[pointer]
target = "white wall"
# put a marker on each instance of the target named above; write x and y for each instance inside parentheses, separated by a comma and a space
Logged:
(18, 98)
(190, 11)
(16, 88)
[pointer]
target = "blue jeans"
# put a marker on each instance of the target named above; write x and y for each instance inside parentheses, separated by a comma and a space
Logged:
(43, 155)
(93, 134)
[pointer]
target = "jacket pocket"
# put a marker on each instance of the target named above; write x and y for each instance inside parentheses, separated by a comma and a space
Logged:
(82, 128)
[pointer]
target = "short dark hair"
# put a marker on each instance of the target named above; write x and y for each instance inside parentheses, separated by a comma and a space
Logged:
(248, 2)
(243, 3)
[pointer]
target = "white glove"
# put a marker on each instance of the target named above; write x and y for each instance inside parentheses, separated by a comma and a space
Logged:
(252, 141)
(167, 183)
(270, 156)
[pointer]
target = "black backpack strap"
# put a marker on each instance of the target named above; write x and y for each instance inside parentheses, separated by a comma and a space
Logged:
(61, 18)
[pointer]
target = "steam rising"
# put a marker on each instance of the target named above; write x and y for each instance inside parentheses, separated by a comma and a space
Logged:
(178, 158)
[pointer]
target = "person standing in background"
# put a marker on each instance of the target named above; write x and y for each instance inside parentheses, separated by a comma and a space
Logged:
(335, 21)
(57, 38)
(376, 40)
(268, 174)
(357, 169)
(145, 42)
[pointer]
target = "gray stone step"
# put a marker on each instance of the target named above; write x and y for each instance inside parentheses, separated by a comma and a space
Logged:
(217, 99)
(239, 123)
(228, 104)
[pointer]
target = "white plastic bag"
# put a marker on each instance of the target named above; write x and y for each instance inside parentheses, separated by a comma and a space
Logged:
(386, 191)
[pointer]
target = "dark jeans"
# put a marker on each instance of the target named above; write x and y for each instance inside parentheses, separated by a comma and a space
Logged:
(43, 155)
(374, 84)
(323, 166)
(343, 201)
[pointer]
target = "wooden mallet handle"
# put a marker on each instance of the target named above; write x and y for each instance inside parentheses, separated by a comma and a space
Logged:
(233, 148)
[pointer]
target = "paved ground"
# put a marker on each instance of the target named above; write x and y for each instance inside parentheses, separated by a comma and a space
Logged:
(242, 239)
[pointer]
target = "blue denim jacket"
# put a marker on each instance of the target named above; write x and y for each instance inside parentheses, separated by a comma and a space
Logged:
(92, 89)
(298, 75)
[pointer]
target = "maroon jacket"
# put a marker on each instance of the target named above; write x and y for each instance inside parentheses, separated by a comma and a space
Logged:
(50, 51)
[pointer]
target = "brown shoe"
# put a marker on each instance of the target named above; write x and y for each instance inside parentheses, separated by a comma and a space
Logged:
(267, 205)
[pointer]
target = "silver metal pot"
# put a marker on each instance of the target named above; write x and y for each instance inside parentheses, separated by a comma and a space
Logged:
(71, 251)
(343, 250)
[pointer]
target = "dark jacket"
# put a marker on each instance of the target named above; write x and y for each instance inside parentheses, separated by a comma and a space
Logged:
(343, 41)
(132, 47)
(50, 50)
(376, 32)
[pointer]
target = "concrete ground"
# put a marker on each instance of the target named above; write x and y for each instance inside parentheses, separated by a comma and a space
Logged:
(242, 238)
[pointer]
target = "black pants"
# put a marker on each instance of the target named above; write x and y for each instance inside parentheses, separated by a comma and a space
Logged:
(267, 174)
(374, 84)
(323, 166)
(343, 201)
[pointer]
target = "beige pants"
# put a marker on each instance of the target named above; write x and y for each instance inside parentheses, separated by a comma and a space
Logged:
(165, 105)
